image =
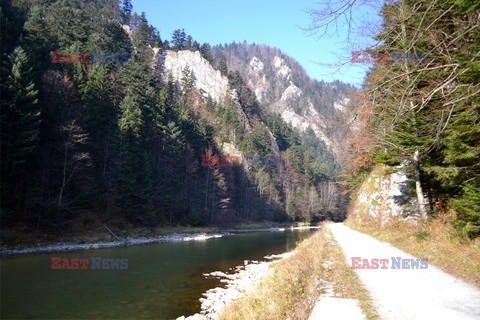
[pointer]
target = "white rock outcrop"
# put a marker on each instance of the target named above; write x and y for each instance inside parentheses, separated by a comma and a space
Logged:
(281, 67)
(289, 99)
(257, 80)
(205, 77)
(208, 80)
(387, 192)
(256, 65)
(291, 92)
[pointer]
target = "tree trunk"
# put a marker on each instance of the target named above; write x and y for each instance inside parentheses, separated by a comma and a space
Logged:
(418, 186)
(60, 194)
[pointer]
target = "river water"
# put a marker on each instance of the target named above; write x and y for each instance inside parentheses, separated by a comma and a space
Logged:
(162, 281)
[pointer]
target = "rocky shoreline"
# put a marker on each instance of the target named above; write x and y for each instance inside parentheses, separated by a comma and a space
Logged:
(122, 242)
(73, 246)
(244, 278)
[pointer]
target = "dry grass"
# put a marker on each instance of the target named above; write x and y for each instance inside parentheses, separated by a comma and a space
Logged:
(435, 240)
(268, 224)
(294, 284)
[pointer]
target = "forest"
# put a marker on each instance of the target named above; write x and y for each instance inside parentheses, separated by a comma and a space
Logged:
(425, 112)
(83, 144)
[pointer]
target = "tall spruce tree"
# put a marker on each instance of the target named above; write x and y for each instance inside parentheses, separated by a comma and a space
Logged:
(20, 124)
(126, 13)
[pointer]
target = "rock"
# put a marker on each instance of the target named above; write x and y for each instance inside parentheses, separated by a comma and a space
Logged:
(386, 193)
(246, 278)
(205, 77)
(216, 274)
(196, 316)
(326, 264)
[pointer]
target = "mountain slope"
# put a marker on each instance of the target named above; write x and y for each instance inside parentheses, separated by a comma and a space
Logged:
(122, 143)
(236, 110)
(282, 85)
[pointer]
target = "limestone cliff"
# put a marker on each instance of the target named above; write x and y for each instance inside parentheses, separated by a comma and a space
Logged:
(283, 87)
(207, 80)
(289, 99)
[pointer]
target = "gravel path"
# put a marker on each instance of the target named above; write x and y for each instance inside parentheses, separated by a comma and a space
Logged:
(407, 294)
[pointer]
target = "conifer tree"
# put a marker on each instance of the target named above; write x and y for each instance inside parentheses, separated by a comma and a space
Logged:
(130, 121)
(126, 11)
(179, 39)
(222, 65)
(20, 129)
(20, 114)
(187, 80)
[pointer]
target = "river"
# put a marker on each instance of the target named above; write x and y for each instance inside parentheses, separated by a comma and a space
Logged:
(162, 281)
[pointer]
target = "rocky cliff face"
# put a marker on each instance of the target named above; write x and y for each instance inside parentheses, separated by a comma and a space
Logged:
(281, 85)
(290, 99)
(387, 192)
(205, 77)
(208, 81)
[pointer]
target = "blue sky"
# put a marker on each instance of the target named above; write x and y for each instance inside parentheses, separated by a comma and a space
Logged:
(275, 23)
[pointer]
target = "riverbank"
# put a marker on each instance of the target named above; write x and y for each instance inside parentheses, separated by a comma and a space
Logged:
(287, 288)
(23, 236)
(243, 279)
(163, 235)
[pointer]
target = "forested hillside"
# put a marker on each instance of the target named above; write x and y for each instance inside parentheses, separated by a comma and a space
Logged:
(119, 141)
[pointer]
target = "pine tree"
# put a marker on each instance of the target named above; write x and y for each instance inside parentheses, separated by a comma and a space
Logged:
(102, 120)
(144, 28)
(67, 24)
(130, 121)
(189, 43)
(206, 52)
(35, 38)
(20, 115)
(187, 80)
(222, 65)
(126, 13)
(179, 39)
(20, 130)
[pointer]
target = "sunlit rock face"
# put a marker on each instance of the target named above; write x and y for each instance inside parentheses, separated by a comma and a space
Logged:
(211, 82)
(387, 192)
(205, 77)
(257, 80)
(280, 94)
